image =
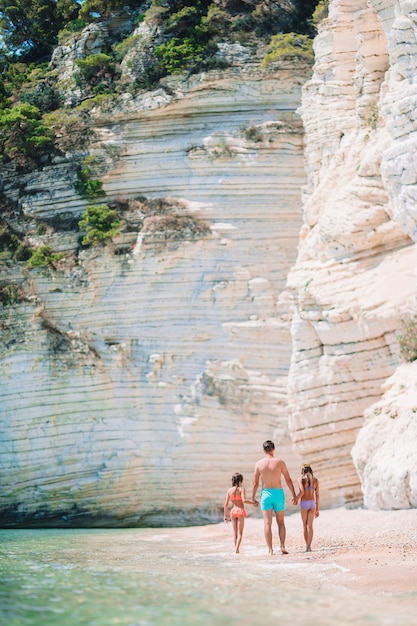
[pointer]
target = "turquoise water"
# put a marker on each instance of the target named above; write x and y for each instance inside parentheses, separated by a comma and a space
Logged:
(169, 577)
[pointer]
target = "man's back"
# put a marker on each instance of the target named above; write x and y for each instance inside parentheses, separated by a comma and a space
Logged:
(269, 469)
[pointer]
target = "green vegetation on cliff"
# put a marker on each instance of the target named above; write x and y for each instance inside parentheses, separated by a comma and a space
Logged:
(189, 34)
(23, 135)
(407, 339)
(288, 45)
(46, 117)
(101, 223)
(29, 28)
(44, 256)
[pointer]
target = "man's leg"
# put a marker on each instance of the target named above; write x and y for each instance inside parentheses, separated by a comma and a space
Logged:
(268, 529)
(281, 530)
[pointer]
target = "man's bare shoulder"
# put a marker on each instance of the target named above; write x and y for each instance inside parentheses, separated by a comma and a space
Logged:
(261, 463)
(269, 463)
(277, 463)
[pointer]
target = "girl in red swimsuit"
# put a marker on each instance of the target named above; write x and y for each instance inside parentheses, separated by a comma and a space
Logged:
(309, 497)
(237, 496)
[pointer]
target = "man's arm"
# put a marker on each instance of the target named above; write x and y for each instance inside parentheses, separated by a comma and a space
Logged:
(288, 481)
(255, 484)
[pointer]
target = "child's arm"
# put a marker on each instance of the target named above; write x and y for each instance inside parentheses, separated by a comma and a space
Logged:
(300, 491)
(226, 507)
(252, 502)
(317, 498)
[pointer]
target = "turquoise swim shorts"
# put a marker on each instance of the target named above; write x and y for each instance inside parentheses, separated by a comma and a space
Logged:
(272, 499)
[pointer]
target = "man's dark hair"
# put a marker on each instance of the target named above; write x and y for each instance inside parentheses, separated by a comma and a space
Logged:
(269, 445)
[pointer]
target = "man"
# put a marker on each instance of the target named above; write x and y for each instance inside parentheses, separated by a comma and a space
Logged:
(269, 470)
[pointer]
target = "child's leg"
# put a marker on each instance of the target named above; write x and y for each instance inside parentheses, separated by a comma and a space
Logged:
(310, 519)
(240, 525)
(234, 524)
(304, 517)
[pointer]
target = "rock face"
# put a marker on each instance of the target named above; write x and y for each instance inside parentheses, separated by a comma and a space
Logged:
(154, 368)
(387, 469)
(150, 372)
(355, 273)
(384, 451)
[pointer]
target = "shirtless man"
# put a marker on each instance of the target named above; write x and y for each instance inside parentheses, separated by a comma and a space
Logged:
(269, 470)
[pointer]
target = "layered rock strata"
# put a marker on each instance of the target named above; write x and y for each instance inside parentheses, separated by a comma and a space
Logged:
(156, 367)
(150, 372)
(355, 273)
(384, 453)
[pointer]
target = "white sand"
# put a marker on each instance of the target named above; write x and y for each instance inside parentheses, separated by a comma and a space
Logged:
(369, 551)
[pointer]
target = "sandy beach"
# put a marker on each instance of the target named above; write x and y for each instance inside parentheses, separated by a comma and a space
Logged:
(362, 571)
(365, 551)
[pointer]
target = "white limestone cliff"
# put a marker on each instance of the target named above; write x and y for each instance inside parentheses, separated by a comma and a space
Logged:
(384, 450)
(386, 470)
(156, 367)
(146, 375)
(355, 273)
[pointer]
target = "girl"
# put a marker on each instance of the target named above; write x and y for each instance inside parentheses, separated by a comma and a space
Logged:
(309, 497)
(237, 496)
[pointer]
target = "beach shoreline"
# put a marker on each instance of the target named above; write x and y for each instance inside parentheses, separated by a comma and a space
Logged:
(362, 571)
(357, 549)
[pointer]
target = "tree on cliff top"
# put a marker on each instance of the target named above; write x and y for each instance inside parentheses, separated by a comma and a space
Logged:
(23, 135)
(29, 28)
(103, 8)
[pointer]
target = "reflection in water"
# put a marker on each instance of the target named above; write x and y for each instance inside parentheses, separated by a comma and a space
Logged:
(169, 577)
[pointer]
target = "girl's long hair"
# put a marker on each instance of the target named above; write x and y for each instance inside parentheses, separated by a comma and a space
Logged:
(307, 475)
(236, 480)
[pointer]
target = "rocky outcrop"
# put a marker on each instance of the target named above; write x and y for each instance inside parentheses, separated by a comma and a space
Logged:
(355, 272)
(154, 369)
(94, 39)
(399, 168)
(384, 452)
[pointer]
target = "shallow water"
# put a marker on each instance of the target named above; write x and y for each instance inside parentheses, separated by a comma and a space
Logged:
(161, 577)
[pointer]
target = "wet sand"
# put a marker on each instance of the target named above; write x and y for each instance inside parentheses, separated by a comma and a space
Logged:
(360, 550)
(362, 571)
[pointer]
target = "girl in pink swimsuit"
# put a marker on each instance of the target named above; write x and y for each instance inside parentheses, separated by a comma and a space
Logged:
(309, 497)
(237, 496)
